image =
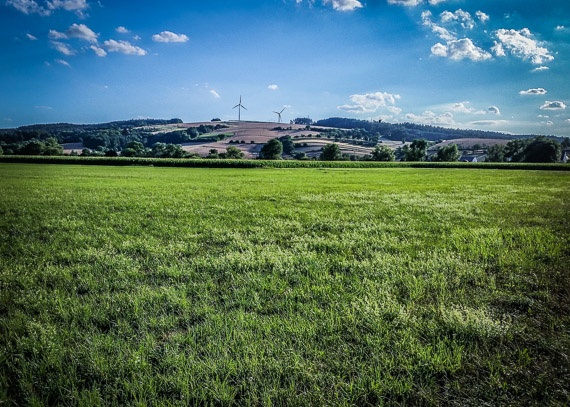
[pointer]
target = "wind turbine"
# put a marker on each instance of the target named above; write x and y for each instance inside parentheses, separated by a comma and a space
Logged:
(279, 114)
(239, 106)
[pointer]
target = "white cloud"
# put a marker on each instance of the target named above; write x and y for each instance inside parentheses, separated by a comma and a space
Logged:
(78, 6)
(168, 36)
(429, 117)
(535, 91)
(556, 105)
(99, 51)
(436, 2)
(273, 87)
(215, 94)
(560, 28)
(441, 32)
(8, 120)
(344, 5)
(460, 16)
(370, 102)
(549, 123)
(462, 107)
(480, 123)
(541, 68)
(136, 38)
(122, 30)
(409, 3)
(123, 47)
(460, 49)
(494, 110)
(31, 37)
(568, 120)
(521, 44)
(80, 31)
(483, 17)
(63, 48)
(498, 49)
(28, 7)
(62, 62)
(55, 35)
(83, 32)
(43, 107)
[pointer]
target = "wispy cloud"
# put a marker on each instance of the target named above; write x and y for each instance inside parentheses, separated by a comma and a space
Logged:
(77, 6)
(273, 87)
(429, 117)
(535, 91)
(80, 31)
(168, 36)
(98, 50)
(541, 69)
(123, 47)
(63, 48)
(555, 105)
(28, 7)
(215, 94)
(463, 107)
(62, 62)
(31, 37)
(371, 102)
(494, 110)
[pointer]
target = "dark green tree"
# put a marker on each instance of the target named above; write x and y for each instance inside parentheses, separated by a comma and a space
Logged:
(331, 152)
(496, 154)
(33, 147)
(213, 154)
(417, 151)
(234, 153)
(515, 150)
(383, 153)
(134, 149)
(543, 150)
(449, 152)
(288, 145)
(271, 150)
(52, 147)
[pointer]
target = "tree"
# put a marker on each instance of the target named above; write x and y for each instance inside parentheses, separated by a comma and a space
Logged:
(496, 154)
(301, 156)
(288, 145)
(52, 147)
(33, 147)
(134, 149)
(417, 151)
(448, 153)
(1, 150)
(331, 152)
(383, 153)
(271, 150)
(234, 153)
(213, 154)
(543, 150)
(515, 150)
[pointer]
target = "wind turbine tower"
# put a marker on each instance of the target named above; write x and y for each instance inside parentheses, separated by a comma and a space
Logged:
(239, 106)
(279, 114)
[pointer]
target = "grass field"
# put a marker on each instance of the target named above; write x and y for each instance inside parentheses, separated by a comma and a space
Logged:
(309, 287)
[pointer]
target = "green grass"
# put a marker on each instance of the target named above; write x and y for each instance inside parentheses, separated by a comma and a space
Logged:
(305, 287)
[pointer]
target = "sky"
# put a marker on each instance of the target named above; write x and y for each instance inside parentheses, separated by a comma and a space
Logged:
(486, 64)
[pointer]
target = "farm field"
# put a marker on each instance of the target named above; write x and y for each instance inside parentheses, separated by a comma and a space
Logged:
(301, 287)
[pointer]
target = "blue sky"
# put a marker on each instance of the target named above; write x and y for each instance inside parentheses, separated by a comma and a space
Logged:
(455, 63)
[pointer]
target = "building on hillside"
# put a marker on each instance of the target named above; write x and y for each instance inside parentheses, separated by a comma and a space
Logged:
(473, 158)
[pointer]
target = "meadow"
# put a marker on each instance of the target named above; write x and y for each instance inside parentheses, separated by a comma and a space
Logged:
(283, 287)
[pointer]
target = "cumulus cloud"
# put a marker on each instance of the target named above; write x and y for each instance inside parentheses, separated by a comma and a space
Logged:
(460, 16)
(521, 44)
(215, 94)
(371, 102)
(535, 91)
(498, 49)
(63, 48)
(80, 31)
(344, 5)
(494, 110)
(560, 28)
(436, 2)
(273, 87)
(123, 47)
(411, 3)
(556, 105)
(483, 17)
(122, 30)
(78, 6)
(28, 7)
(440, 31)
(460, 49)
(463, 107)
(62, 62)
(429, 117)
(31, 37)
(168, 36)
(98, 50)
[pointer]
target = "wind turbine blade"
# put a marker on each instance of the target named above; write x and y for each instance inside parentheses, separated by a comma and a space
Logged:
(275, 112)
(282, 110)
(235, 106)
(243, 107)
